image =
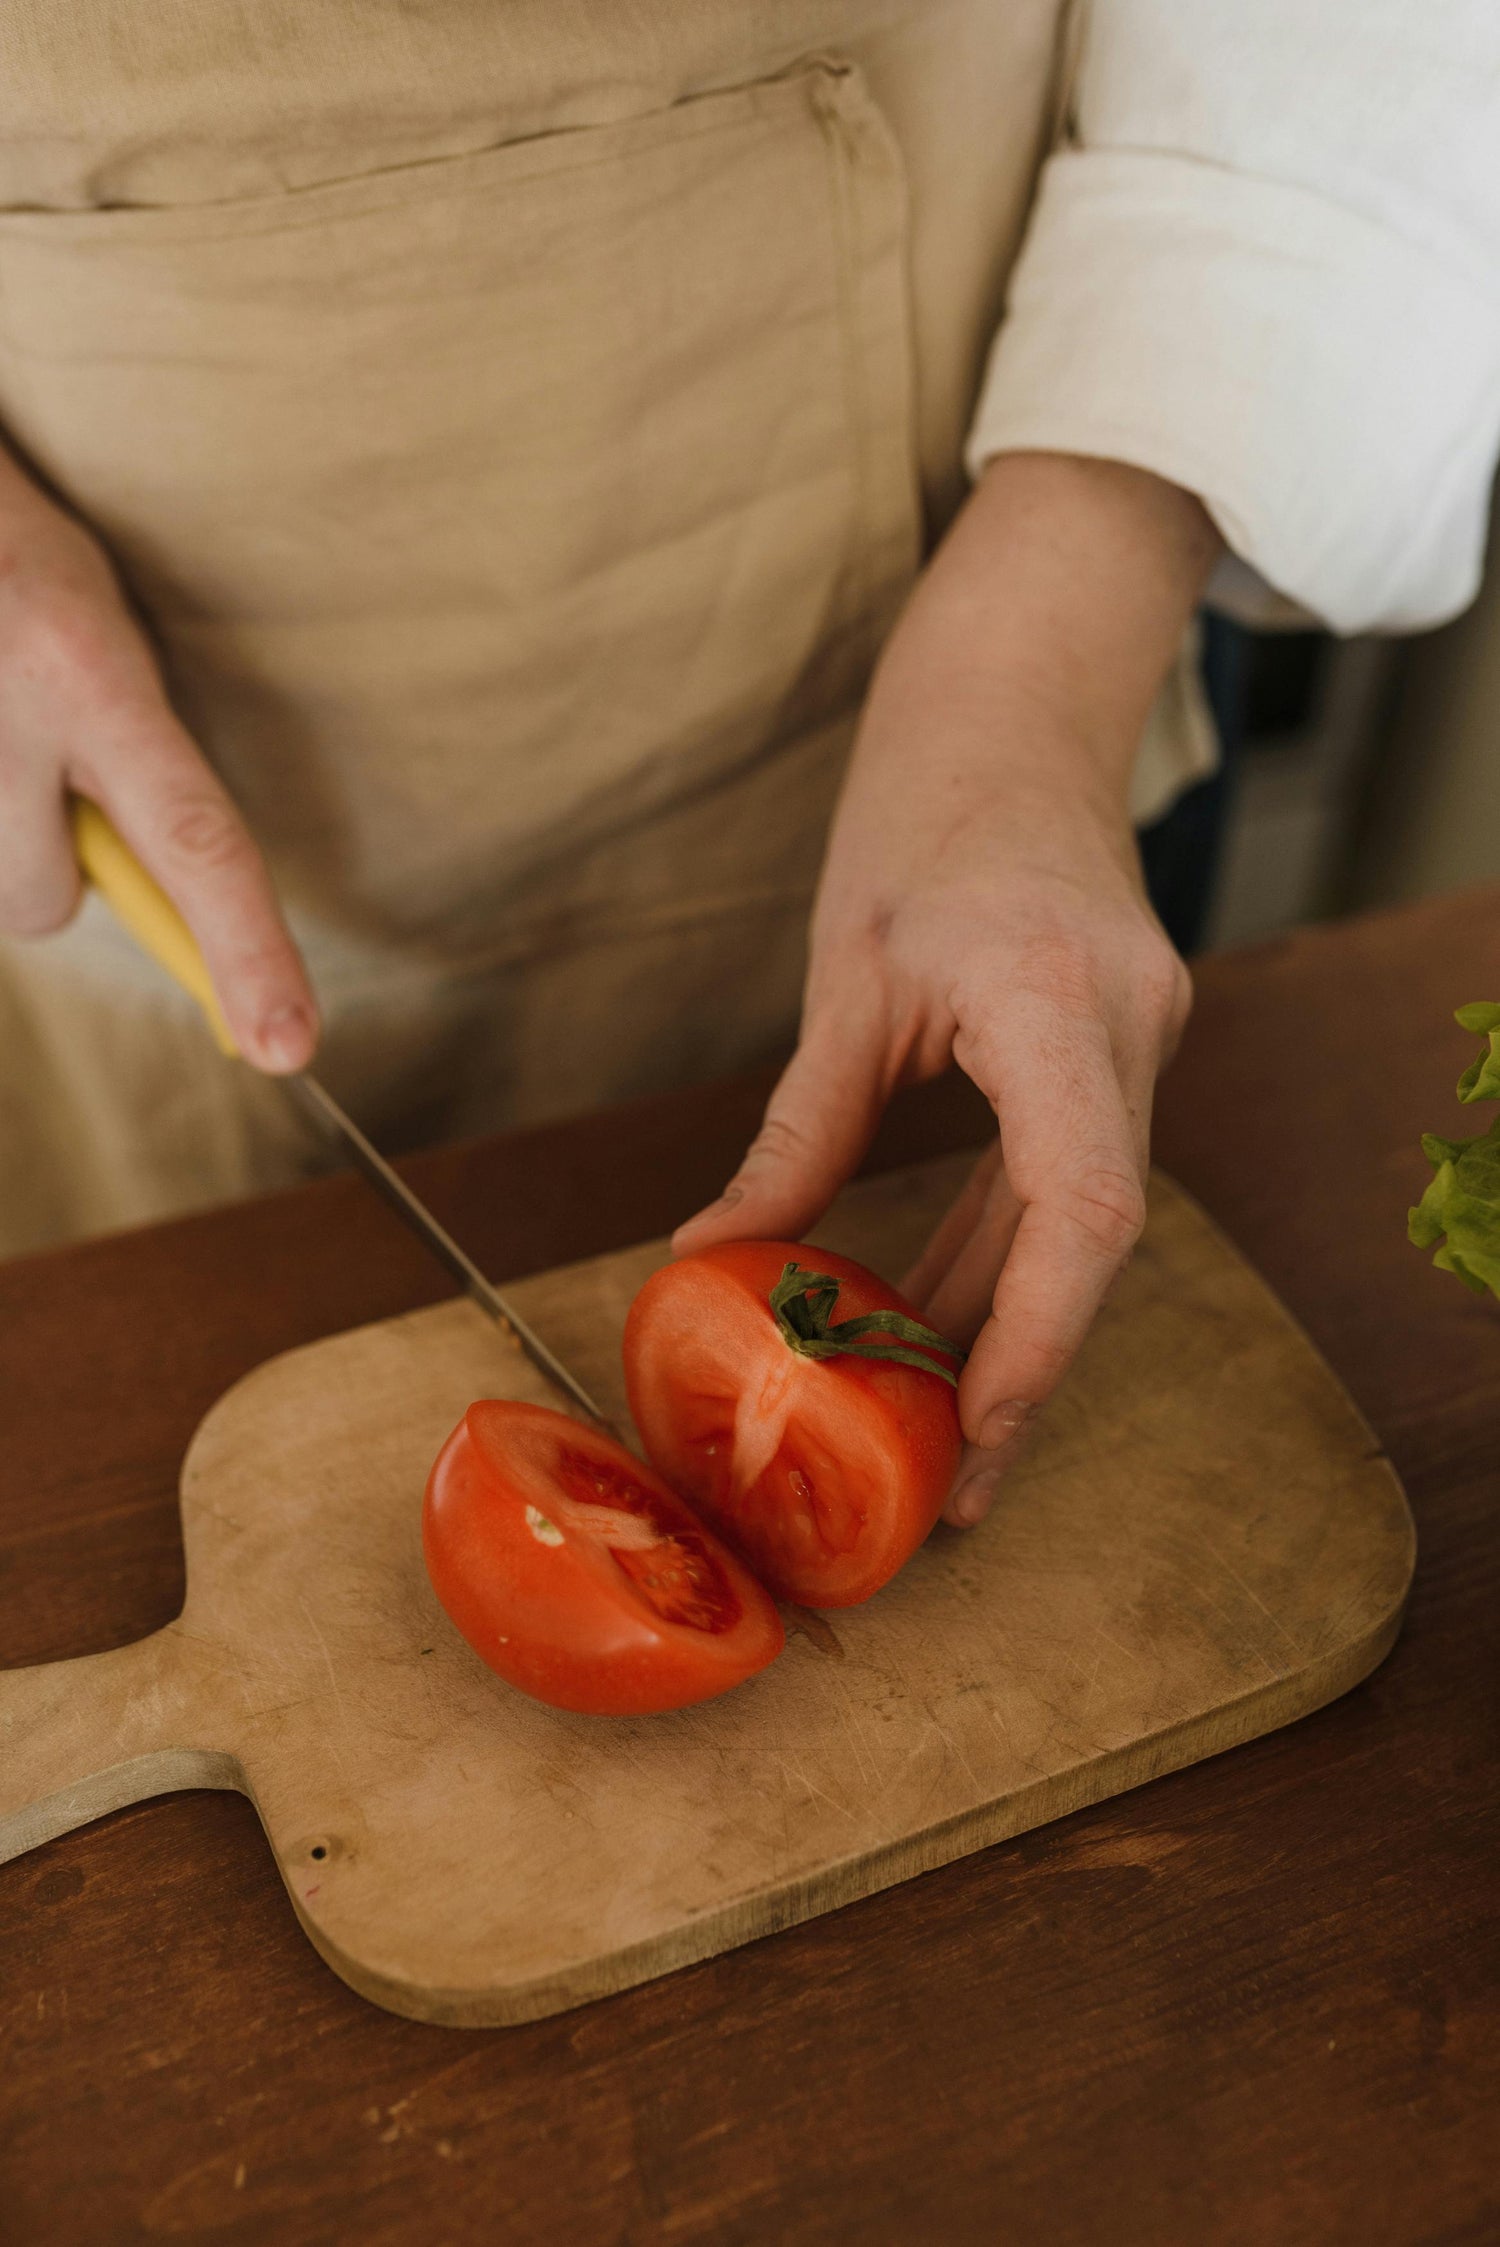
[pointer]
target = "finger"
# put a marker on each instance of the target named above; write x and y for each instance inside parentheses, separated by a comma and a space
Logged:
(981, 1471)
(960, 1303)
(974, 1271)
(1149, 1012)
(179, 820)
(1071, 1154)
(953, 1233)
(818, 1123)
(973, 1243)
(954, 1277)
(1137, 1067)
(39, 881)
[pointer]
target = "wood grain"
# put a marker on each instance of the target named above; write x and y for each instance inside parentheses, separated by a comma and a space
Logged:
(1256, 2003)
(1204, 1545)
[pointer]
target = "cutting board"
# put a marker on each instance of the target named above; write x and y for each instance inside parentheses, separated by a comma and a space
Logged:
(1205, 1543)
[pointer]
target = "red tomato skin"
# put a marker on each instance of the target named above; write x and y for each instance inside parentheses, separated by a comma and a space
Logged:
(554, 1615)
(889, 1433)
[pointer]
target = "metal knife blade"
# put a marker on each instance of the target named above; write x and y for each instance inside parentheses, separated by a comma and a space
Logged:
(320, 1102)
(143, 907)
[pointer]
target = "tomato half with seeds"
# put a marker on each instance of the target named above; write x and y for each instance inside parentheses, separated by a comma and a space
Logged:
(575, 1572)
(802, 1406)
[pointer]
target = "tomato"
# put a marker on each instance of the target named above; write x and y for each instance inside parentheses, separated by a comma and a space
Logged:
(823, 1465)
(577, 1574)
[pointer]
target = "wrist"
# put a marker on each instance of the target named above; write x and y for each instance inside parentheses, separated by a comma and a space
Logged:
(1051, 614)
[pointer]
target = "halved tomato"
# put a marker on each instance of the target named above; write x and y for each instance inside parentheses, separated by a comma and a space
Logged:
(577, 1574)
(802, 1406)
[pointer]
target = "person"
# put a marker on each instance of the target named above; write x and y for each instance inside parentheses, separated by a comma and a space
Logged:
(465, 464)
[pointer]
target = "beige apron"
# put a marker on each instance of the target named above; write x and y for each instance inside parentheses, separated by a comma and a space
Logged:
(514, 420)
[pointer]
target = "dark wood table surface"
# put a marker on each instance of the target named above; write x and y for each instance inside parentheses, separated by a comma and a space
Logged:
(1255, 2002)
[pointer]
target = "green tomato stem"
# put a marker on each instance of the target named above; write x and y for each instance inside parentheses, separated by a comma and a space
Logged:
(803, 1303)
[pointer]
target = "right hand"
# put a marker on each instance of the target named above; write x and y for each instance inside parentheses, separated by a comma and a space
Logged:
(982, 902)
(83, 711)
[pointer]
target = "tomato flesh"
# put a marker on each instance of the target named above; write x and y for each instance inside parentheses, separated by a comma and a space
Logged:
(825, 1473)
(579, 1576)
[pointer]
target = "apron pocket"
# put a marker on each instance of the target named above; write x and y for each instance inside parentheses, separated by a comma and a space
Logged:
(486, 506)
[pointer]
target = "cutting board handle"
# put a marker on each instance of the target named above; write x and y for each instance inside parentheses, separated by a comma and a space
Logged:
(83, 1737)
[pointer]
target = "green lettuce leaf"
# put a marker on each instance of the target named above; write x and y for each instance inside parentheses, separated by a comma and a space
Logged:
(1481, 1080)
(1461, 1207)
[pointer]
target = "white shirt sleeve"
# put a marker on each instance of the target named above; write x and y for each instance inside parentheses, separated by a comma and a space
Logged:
(1268, 268)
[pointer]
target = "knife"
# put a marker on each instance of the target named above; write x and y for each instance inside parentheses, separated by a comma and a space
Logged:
(145, 909)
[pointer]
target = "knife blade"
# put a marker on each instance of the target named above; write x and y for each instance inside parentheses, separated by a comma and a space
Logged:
(320, 1103)
(144, 908)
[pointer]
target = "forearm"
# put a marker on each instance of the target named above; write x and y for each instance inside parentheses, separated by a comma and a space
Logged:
(1017, 683)
(1063, 589)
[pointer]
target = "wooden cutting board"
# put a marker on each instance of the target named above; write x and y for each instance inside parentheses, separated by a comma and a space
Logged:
(1205, 1543)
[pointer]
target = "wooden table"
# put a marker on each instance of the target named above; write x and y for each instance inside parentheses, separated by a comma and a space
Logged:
(1258, 2002)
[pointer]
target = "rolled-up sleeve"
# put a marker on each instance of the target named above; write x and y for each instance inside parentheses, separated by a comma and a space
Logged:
(1267, 267)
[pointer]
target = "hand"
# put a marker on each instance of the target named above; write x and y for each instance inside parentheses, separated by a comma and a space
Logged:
(982, 902)
(82, 710)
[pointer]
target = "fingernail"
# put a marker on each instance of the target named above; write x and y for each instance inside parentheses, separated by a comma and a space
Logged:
(285, 1036)
(1005, 1423)
(972, 1500)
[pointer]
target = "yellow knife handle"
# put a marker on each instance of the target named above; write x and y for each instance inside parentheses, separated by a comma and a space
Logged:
(143, 907)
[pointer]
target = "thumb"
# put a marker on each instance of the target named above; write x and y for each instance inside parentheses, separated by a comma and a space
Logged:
(818, 1123)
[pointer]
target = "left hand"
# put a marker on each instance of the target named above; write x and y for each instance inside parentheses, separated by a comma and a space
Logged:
(982, 902)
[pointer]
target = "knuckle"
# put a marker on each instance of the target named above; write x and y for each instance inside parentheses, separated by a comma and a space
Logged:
(203, 833)
(1166, 988)
(777, 1141)
(1060, 967)
(58, 635)
(1109, 1205)
(1049, 1361)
